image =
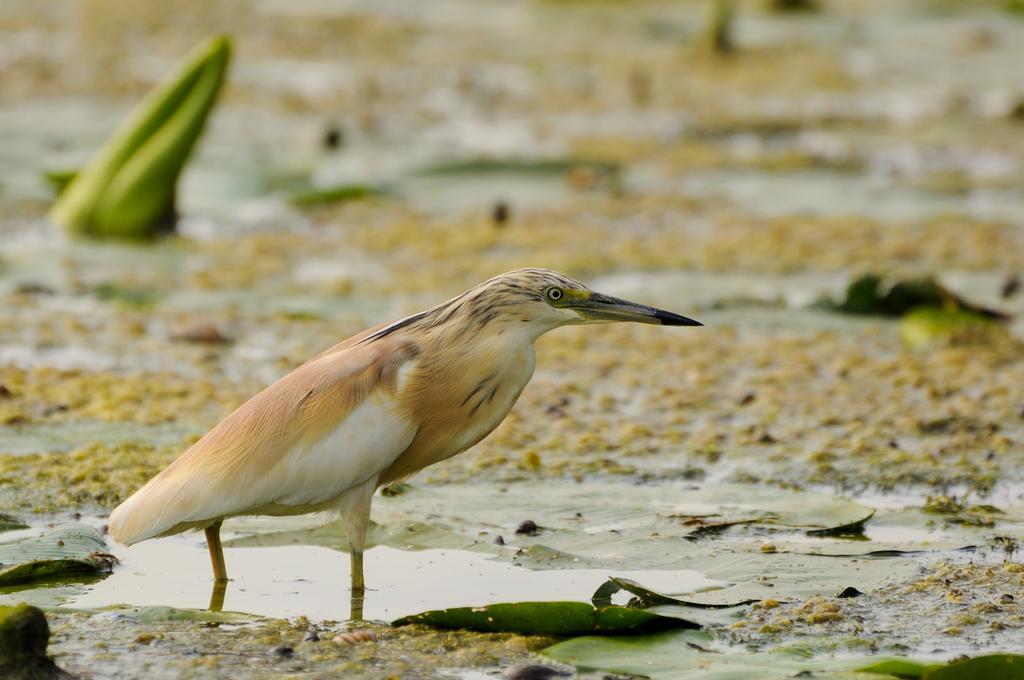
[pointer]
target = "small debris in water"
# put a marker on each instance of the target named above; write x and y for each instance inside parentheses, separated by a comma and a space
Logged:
(202, 333)
(527, 528)
(334, 138)
(558, 409)
(355, 637)
(312, 635)
(499, 540)
(1011, 286)
(34, 289)
(500, 214)
(850, 591)
(533, 671)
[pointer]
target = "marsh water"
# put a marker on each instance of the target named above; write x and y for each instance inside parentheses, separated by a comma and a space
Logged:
(602, 139)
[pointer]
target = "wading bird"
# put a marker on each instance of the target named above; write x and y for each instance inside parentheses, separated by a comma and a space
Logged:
(370, 410)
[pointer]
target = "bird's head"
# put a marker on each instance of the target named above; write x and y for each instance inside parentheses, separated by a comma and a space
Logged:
(546, 299)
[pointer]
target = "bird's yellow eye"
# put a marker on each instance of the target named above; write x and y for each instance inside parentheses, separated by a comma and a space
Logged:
(555, 294)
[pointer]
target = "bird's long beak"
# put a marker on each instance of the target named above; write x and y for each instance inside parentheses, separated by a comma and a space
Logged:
(598, 307)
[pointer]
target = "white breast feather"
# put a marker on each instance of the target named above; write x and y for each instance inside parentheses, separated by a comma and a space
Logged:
(369, 440)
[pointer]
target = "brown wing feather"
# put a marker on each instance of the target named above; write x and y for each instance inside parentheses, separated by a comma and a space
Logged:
(224, 473)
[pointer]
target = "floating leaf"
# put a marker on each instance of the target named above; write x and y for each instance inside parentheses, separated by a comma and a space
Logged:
(136, 298)
(929, 327)
(164, 614)
(873, 294)
(674, 655)
(481, 166)
(853, 528)
(127, 190)
(70, 548)
(645, 597)
(546, 618)
(989, 667)
(698, 655)
(653, 602)
(342, 193)
(10, 522)
(900, 668)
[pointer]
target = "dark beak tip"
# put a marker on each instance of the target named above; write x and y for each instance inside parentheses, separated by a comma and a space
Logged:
(670, 319)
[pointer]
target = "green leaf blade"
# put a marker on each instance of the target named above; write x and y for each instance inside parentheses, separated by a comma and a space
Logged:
(545, 618)
(127, 190)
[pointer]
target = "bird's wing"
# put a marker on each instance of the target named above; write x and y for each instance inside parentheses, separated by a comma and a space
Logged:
(330, 424)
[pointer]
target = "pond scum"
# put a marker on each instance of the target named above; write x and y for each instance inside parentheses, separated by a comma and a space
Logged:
(822, 493)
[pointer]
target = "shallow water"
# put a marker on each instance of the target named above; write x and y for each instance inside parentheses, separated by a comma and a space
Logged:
(310, 581)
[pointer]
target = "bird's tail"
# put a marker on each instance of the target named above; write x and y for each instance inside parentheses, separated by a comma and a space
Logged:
(153, 510)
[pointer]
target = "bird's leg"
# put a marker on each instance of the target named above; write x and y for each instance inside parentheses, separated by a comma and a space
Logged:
(220, 572)
(217, 596)
(355, 516)
(358, 584)
(356, 544)
(355, 610)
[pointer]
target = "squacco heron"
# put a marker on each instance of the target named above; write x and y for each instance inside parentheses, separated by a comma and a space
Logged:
(371, 410)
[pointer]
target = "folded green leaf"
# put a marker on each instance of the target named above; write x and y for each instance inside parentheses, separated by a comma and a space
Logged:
(127, 190)
(547, 618)
(645, 597)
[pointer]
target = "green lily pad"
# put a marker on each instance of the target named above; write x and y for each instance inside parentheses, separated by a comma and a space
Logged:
(546, 618)
(928, 327)
(10, 522)
(132, 298)
(480, 166)
(164, 614)
(67, 549)
(342, 193)
(989, 667)
(873, 294)
(676, 655)
(698, 655)
(900, 668)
